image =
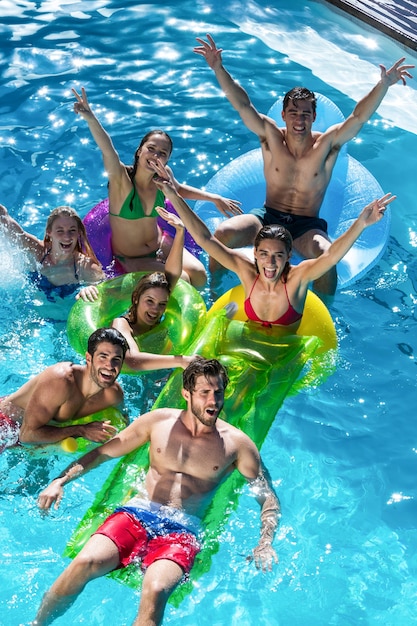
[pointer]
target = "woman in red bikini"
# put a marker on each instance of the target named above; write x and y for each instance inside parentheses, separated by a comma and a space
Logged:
(137, 241)
(275, 291)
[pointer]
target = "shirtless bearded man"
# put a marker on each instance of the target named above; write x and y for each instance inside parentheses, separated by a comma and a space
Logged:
(192, 451)
(67, 391)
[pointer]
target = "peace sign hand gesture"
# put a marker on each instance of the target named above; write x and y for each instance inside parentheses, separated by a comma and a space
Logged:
(82, 106)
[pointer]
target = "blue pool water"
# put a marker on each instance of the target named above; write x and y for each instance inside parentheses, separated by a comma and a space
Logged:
(343, 457)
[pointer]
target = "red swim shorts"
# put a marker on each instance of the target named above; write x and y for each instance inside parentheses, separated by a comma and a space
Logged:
(132, 541)
(9, 432)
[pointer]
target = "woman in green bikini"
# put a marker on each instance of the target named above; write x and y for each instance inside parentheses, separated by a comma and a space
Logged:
(137, 240)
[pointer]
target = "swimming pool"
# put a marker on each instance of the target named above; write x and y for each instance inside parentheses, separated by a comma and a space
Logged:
(342, 457)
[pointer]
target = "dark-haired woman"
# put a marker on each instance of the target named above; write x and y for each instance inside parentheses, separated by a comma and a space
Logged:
(275, 290)
(149, 301)
(137, 241)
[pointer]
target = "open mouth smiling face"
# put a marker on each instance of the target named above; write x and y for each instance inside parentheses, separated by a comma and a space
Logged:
(64, 235)
(106, 377)
(271, 257)
(151, 306)
(105, 365)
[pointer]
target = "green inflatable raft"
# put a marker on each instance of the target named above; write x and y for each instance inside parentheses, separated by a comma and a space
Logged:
(263, 367)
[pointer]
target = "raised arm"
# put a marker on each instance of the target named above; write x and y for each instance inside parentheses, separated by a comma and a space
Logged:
(231, 259)
(173, 264)
(366, 107)
(314, 268)
(112, 163)
(19, 236)
(236, 95)
(226, 206)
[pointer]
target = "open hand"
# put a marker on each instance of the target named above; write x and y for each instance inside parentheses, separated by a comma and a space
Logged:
(171, 218)
(209, 51)
(264, 557)
(228, 207)
(88, 294)
(396, 72)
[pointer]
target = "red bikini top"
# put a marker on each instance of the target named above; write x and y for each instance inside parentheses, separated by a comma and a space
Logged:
(290, 316)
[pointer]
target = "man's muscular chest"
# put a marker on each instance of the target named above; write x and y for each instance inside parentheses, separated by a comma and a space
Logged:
(293, 168)
(194, 458)
(77, 407)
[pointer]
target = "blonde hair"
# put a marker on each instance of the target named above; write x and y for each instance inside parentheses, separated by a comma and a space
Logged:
(83, 244)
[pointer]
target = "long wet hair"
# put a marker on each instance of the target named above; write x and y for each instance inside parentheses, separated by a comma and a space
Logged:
(210, 368)
(83, 245)
(278, 233)
(156, 279)
(299, 93)
(132, 169)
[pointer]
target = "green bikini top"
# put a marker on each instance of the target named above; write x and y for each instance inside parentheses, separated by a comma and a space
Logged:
(132, 208)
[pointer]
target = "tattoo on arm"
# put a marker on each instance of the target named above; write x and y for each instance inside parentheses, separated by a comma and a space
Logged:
(263, 491)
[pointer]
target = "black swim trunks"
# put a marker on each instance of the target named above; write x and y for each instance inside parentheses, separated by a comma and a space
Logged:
(297, 225)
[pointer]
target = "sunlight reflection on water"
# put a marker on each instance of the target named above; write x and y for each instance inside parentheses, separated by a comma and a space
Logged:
(342, 457)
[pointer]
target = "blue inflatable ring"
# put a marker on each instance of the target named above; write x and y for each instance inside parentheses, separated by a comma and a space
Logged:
(351, 188)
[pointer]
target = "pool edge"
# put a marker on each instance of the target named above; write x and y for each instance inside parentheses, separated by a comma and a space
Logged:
(367, 11)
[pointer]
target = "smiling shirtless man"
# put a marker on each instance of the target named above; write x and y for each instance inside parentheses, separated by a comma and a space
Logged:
(298, 162)
(192, 451)
(66, 391)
